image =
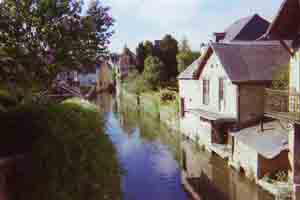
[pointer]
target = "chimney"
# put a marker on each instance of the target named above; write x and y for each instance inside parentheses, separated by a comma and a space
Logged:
(219, 36)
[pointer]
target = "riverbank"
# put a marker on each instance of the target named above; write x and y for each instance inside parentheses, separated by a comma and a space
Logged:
(150, 102)
(68, 154)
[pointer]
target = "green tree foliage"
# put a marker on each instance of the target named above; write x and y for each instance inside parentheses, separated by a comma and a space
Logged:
(149, 49)
(41, 38)
(141, 56)
(184, 45)
(186, 56)
(168, 52)
(68, 152)
(153, 71)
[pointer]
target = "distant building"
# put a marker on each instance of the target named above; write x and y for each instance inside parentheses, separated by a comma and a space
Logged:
(125, 64)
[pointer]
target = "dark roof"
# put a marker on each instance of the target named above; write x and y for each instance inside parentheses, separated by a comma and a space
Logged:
(243, 61)
(248, 28)
(252, 61)
(286, 25)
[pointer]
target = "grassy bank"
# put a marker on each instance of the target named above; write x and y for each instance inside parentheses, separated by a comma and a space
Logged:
(162, 103)
(70, 156)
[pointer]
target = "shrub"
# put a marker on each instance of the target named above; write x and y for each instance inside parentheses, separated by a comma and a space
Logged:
(153, 71)
(70, 156)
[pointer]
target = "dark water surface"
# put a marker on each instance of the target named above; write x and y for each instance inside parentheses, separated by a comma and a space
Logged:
(150, 154)
(151, 169)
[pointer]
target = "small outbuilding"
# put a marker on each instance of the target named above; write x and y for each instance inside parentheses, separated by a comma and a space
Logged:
(259, 151)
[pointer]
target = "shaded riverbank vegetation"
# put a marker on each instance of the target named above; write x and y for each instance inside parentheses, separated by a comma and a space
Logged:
(67, 154)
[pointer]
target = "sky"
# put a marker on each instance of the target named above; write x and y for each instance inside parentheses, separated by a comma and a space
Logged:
(196, 20)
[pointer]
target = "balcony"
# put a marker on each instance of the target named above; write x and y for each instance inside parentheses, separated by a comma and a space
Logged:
(283, 105)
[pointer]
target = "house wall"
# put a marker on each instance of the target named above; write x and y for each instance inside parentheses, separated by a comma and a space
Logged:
(281, 162)
(251, 103)
(190, 90)
(213, 71)
(246, 158)
(295, 73)
(196, 129)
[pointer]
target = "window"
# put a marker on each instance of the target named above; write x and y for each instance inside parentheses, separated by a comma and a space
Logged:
(221, 94)
(182, 107)
(205, 92)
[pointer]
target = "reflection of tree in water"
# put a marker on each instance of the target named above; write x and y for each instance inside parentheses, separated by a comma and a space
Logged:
(150, 128)
(127, 119)
(104, 102)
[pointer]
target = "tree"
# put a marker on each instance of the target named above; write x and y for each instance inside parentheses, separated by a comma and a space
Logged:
(41, 38)
(184, 45)
(149, 48)
(186, 56)
(153, 71)
(141, 56)
(185, 59)
(169, 50)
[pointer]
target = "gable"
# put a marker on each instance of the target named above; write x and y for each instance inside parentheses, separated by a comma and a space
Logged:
(213, 69)
(286, 24)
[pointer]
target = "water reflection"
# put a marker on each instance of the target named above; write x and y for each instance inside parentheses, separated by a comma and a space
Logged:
(146, 155)
(213, 179)
(151, 155)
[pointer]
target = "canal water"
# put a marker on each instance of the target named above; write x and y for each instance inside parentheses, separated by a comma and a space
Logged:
(151, 155)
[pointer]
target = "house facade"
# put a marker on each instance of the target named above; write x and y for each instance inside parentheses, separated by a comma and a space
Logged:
(207, 90)
(286, 27)
(224, 90)
(125, 64)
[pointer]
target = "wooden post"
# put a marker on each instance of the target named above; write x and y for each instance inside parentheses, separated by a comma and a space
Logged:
(295, 160)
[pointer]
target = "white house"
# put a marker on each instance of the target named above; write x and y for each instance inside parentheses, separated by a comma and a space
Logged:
(224, 89)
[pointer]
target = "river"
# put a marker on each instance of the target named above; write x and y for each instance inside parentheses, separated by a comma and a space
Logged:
(150, 154)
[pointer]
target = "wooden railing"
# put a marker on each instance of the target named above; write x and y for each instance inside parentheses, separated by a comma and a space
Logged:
(282, 103)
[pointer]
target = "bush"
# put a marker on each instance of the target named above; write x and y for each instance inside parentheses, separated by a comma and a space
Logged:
(71, 157)
(167, 95)
(153, 71)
